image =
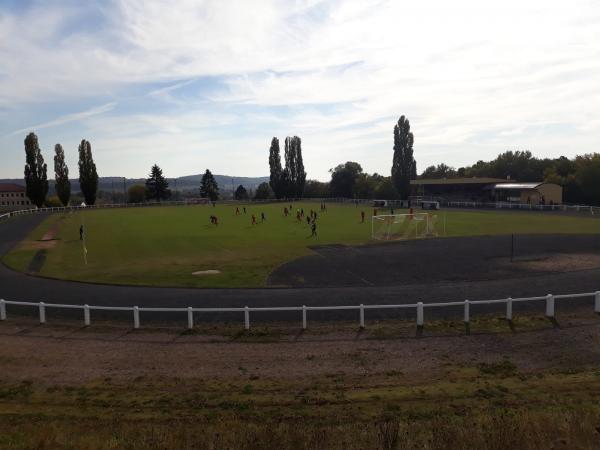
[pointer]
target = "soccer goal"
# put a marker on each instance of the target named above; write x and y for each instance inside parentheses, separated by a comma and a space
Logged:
(403, 226)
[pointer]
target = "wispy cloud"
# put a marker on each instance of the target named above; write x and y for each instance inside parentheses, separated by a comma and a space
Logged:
(68, 118)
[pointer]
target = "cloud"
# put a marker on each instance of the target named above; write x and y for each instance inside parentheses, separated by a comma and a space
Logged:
(62, 120)
(473, 77)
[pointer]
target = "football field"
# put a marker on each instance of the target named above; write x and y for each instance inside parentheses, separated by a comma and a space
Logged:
(165, 246)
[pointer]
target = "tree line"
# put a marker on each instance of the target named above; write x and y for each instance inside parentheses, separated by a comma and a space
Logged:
(36, 176)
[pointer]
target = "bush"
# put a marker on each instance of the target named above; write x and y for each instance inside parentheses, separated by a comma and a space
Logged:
(136, 193)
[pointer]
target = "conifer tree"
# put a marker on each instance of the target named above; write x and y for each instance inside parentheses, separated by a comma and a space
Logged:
(209, 187)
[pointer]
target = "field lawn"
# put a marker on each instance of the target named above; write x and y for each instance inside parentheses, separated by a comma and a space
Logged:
(162, 246)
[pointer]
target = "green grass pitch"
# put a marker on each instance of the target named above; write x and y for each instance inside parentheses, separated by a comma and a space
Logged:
(162, 246)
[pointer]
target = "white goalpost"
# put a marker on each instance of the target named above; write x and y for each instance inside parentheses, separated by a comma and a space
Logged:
(403, 226)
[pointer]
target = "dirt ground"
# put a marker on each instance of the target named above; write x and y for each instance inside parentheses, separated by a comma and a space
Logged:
(67, 354)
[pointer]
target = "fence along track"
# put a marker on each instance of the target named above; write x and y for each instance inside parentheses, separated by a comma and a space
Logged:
(419, 307)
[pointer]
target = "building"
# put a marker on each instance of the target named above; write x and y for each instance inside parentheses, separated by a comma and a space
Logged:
(12, 196)
(530, 193)
(455, 189)
(487, 190)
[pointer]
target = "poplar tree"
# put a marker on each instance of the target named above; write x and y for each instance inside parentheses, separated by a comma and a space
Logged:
(88, 177)
(36, 178)
(404, 167)
(61, 176)
(276, 171)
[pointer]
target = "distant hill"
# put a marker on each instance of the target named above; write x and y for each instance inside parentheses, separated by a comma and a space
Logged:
(187, 183)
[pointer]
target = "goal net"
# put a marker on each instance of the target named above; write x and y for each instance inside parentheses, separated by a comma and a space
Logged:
(403, 226)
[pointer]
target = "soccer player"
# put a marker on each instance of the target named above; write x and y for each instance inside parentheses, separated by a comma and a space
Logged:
(285, 212)
(298, 216)
(253, 219)
(313, 229)
(237, 211)
(262, 217)
(302, 212)
(244, 210)
(362, 217)
(307, 220)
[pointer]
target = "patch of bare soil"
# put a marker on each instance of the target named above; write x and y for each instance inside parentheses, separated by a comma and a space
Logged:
(51, 233)
(64, 354)
(560, 262)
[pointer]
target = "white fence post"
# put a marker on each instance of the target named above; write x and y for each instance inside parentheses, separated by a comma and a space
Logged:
(549, 305)
(596, 303)
(362, 315)
(467, 311)
(136, 317)
(304, 317)
(86, 315)
(42, 312)
(509, 314)
(2, 309)
(190, 313)
(246, 318)
(420, 314)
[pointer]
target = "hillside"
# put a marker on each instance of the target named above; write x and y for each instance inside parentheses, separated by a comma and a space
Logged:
(186, 183)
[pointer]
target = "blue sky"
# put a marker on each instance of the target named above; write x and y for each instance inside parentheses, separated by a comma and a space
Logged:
(192, 85)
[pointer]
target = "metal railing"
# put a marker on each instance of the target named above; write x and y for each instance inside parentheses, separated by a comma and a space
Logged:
(391, 203)
(419, 307)
(524, 206)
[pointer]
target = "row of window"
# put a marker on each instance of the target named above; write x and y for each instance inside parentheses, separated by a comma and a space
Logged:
(12, 194)
(14, 202)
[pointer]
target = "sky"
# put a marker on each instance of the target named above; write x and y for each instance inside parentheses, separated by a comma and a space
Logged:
(191, 85)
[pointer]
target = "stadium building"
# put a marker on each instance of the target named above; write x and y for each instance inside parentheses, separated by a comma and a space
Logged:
(12, 196)
(487, 190)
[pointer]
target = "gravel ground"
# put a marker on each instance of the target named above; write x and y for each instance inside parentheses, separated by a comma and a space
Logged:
(65, 354)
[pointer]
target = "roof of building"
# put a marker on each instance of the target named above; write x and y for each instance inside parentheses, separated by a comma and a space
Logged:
(11, 187)
(517, 186)
(474, 180)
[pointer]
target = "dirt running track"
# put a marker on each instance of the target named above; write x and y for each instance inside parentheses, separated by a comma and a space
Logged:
(429, 271)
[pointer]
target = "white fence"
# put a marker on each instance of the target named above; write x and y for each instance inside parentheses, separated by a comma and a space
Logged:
(394, 203)
(419, 307)
(525, 206)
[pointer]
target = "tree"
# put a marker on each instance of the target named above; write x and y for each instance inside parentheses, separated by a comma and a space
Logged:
(365, 186)
(241, 193)
(439, 171)
(404, 167)
(386, 190)
(88, 177)
(136, 193)
(587, 176)
(343, 179)
(316, 189)
(294, 175)
(61, 176)
(157, 187)
(36, 178)
(276, 175)
(209, 187)
(263, 192)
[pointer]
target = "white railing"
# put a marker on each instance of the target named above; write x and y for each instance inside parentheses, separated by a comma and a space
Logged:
(419, 307)
(525, 206)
